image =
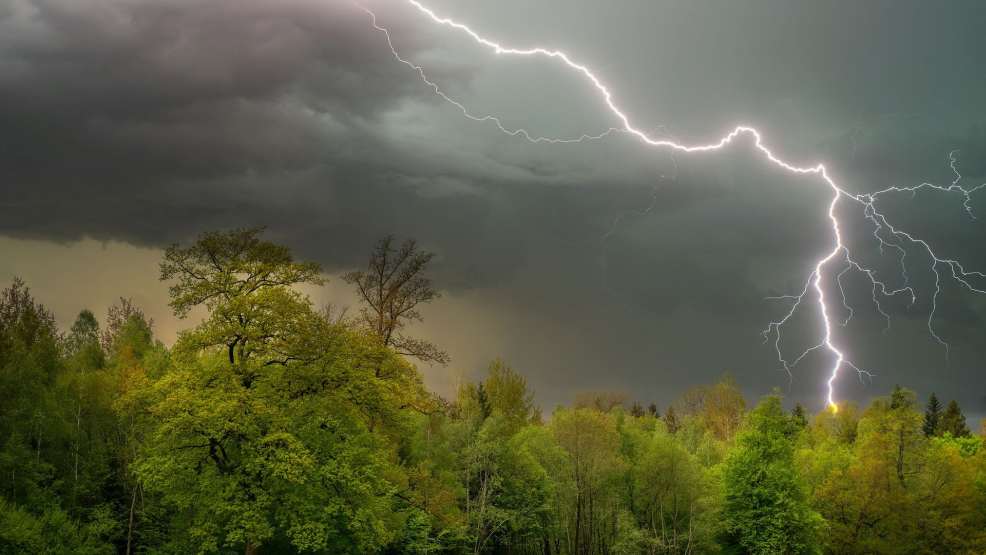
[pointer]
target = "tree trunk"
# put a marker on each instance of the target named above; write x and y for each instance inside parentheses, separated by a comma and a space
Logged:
(78, 446)
(578, 521)
(130, 524)
(900, 458)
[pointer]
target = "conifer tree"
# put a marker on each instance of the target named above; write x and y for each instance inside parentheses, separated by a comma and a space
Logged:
(953, 421)
(932, 416)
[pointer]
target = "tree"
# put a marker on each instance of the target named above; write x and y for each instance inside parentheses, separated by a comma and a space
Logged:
(901, 397)
(868, 496)
(932, 416)
(31, 434)
(603, 401)
(671, 420)
(473, 403)
(675, 497)
(903, 425)
(723, 408)
(539, 481)
(945, 515)
(720, 407)
(22, 317)
(840, 425)
(503, 493)
(500, 501)
(507, 394)
(392, 288)
(766, 508)
(652, 410)
(119, 316)
(53, 531)
(798, 416)
(135, 359)
(591, 439)
(247, 286)
(86, 392)
(84, 336)
(274, 425)
(953, 421)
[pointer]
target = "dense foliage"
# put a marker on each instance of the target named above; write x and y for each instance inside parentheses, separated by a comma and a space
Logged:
(273, 427)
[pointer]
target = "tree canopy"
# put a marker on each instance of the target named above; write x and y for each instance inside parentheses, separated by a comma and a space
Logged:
(272, 427)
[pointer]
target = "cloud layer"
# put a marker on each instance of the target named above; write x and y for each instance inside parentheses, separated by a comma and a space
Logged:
(593, 265)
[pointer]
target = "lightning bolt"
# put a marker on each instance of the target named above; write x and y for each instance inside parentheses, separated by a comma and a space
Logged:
(887, 235)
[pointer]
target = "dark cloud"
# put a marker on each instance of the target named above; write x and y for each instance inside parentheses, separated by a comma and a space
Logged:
(595, 265)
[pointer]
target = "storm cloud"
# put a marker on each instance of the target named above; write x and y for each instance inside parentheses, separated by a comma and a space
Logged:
(596, 265)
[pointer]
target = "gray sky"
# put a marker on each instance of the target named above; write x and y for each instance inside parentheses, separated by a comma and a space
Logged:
(126, 125)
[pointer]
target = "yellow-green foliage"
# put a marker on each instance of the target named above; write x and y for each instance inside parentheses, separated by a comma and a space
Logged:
(270, 427)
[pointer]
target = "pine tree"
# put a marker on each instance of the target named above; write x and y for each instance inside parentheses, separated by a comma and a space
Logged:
(637, 410)
(932, 416)
(953, 421)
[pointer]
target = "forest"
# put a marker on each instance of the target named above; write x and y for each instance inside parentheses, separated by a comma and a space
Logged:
(275, 426)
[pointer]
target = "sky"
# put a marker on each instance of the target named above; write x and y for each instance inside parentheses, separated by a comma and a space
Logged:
(128, 125)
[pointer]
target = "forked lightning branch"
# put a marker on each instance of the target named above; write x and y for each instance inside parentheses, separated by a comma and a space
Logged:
(832, 265)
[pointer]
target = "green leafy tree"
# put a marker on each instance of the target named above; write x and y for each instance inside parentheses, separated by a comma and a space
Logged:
(507, 394)
(720, 407)
(275, 428)
(86, 393)
(134, 361)
(32, 434)
(473, 403)
(676, 500)
(947, 511)
(591, 439)
(246, 284)
(53, 531)
(84, 338)
(540, 484)
(54, 456)
(671, 420)
(122, 319)
(766, 508)
(504, 494)
(799, 416)
(868, 495)
(274, 425)
(840, 425)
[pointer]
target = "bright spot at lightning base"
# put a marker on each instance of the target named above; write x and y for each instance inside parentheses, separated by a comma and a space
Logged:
(887, 235)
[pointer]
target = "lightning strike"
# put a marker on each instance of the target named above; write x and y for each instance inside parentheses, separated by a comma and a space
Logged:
(887, 235)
